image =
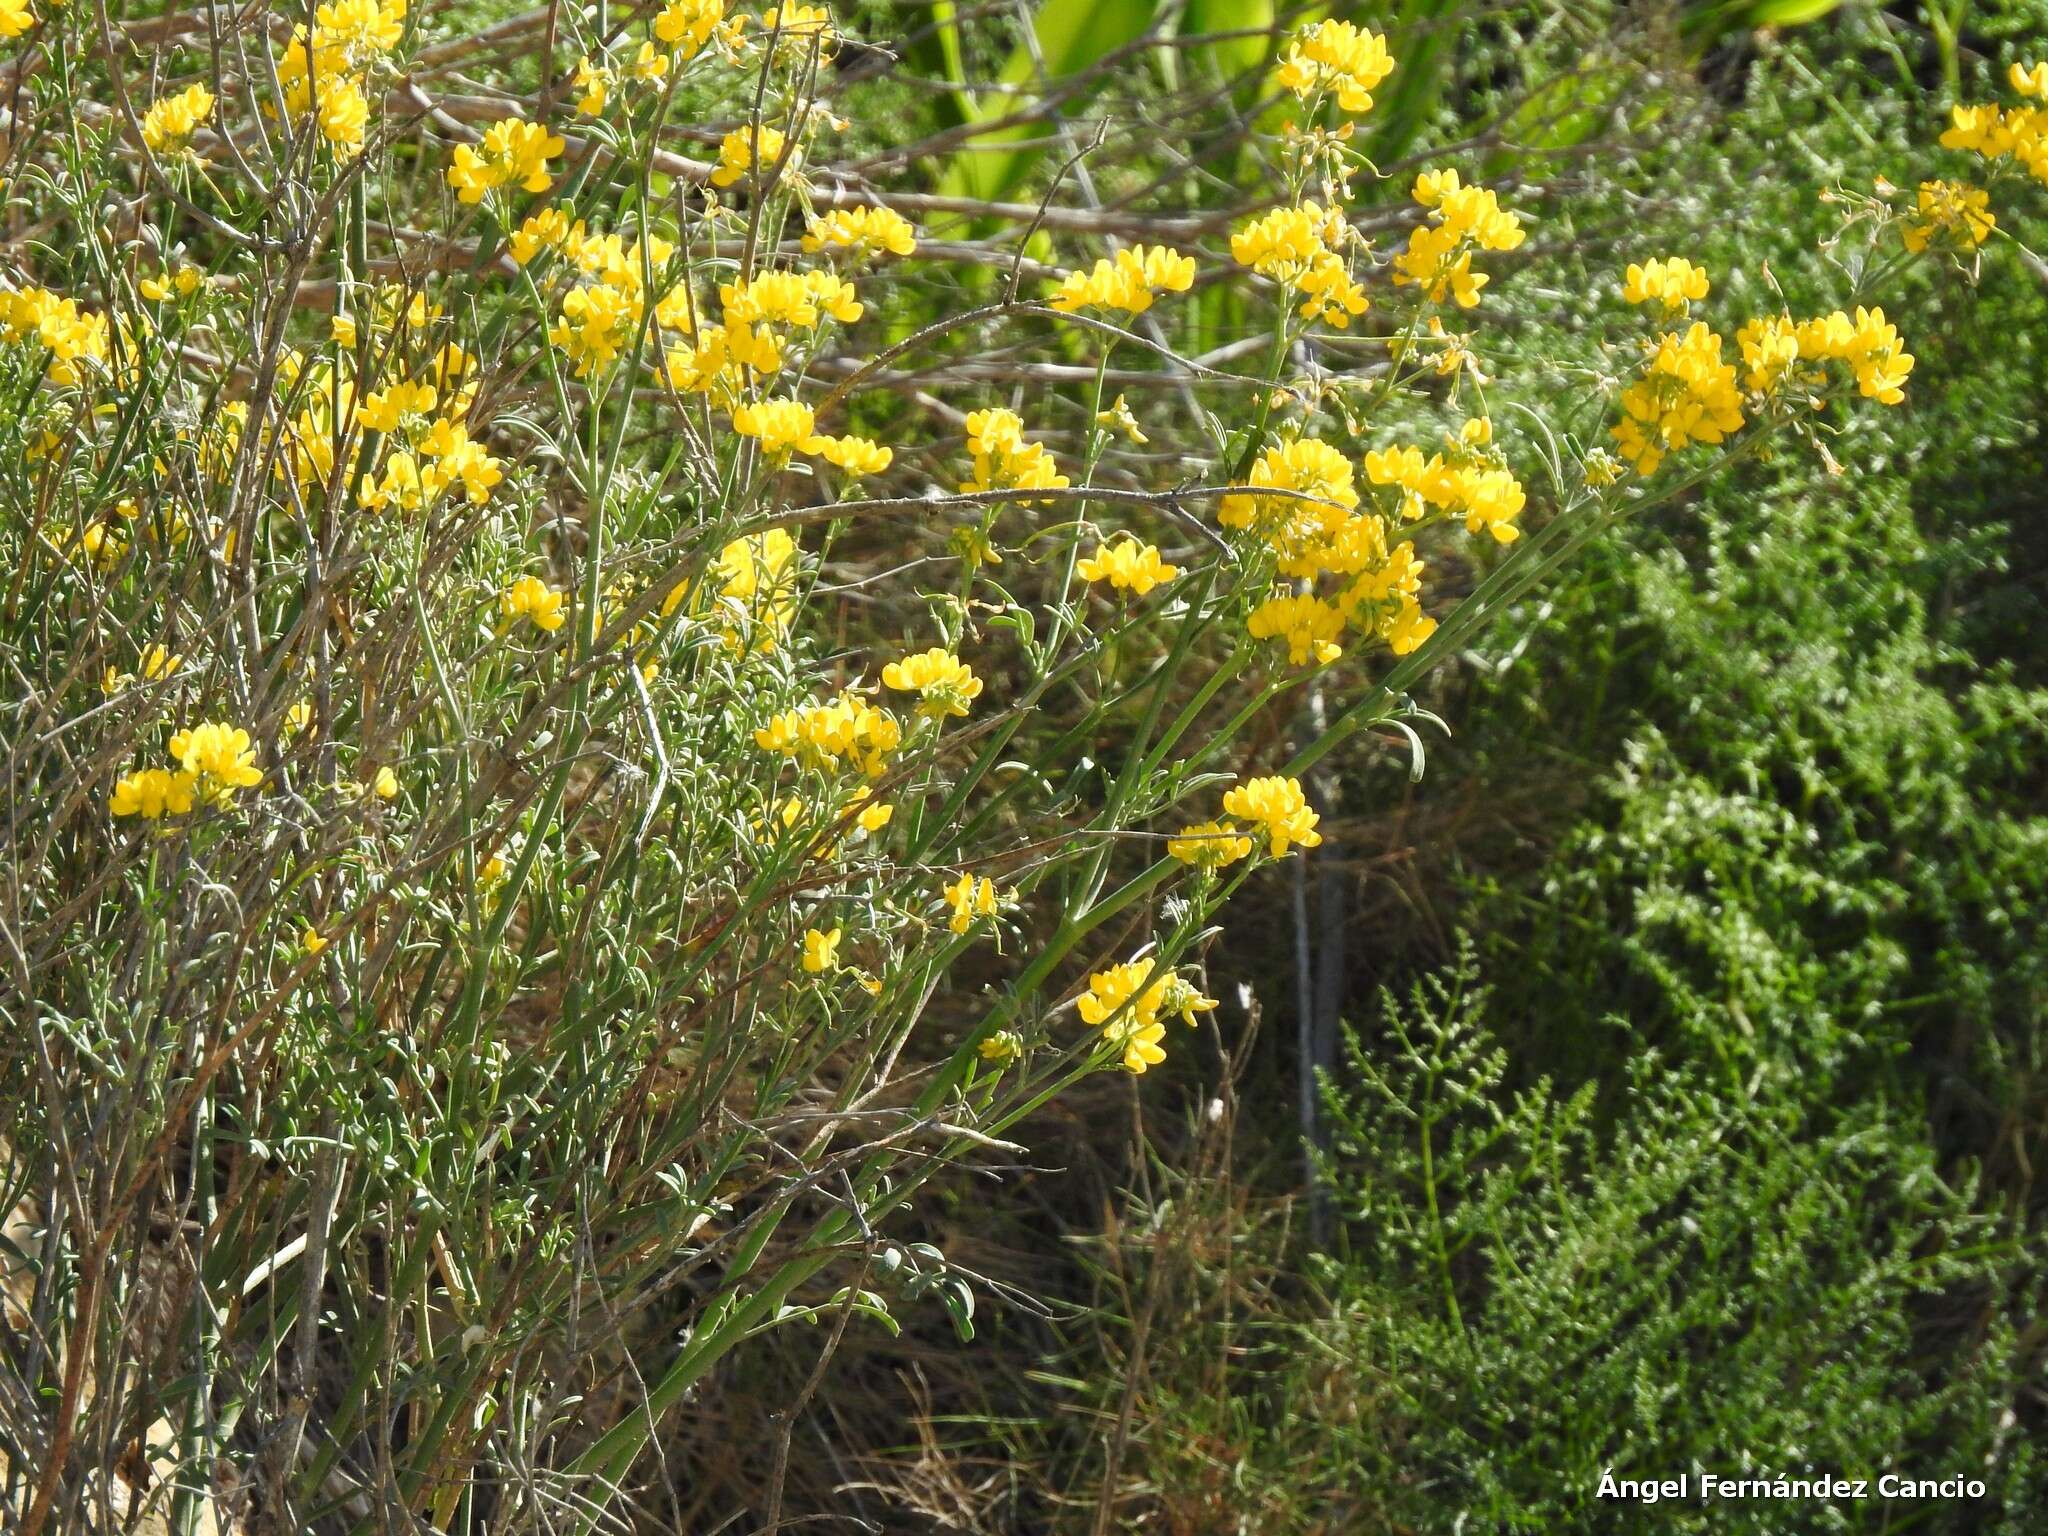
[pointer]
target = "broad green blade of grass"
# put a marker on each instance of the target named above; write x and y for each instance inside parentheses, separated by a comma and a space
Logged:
(1070, 36)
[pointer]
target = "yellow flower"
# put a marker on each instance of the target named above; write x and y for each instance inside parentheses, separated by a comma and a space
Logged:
(1280, 809)
(970, 899)
(152, 793)
(1953, 214)
(16, 17)
(594, 82)
(1127, 565)
(36, 316)
(1002, 1048)
(1672, 282)
(1300, 248)
(1439, 256)
(1686, 394)
(797, 21)
(218, 756)
(385, 785)
(1338, 57)
(1869, 344)
(531, 598)
(1295, 526)
(513, 153)
(1209, 845)
(458, 460)
(298, 717)
(847, 728)
(311, 942)
(779, 425)
(821, 950)
(944, 683)
(799, 299)
(2021, 133)
(157, 663)
(1119, 418)
(386, 410)
(855, 457)
(1309, 625)
(744, 148)
(1003, 459)
(1127, 1002)
(648, 65)
(862, 231)
(686, 25)
(596, 324)
(168, 125)
(1128, 282)
(182, 280)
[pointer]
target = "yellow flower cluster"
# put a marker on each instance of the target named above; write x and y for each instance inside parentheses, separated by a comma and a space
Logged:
(1672, 282)
(1950, 215)
(1128, 282)
(1687, 394)
(971, 899)
(1279, 809)
(1320, 532)
(168, 125)
(603, 310)
(439, 455)
(862, 231)
(513, 153)
(686, 25)
(70, 335)
(790, 426)
(596, 81)
(1307, 624)
(945, 685)
(800, 25)
(780, 426)
(755, 590)
(326, 71)
(1127, 1003)
(799, 300)
(1337, 57)
(152, 793)
(2020, 133)
(1128, 565)
(1209, 845)
(1472, 482)
(16, 17)
(1003, 459)
(1302, 248)
(1439, 255)
(744, 148)
(848, 728)
(1867, 342)
(532, 599)
(213, 761)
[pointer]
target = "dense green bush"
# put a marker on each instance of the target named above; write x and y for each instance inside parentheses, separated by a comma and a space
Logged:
(1716, 1285)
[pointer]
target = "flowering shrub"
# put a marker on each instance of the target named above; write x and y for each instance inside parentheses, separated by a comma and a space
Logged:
(529, 883)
